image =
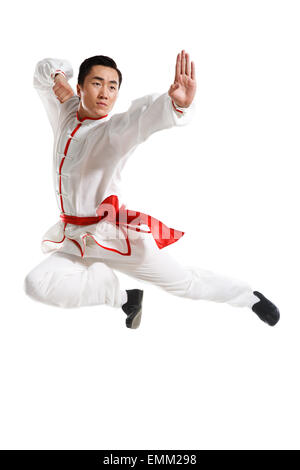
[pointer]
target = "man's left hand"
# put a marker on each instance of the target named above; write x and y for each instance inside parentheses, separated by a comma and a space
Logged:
(183, 90)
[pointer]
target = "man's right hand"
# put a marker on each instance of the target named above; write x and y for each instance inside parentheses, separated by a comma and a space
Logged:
(63, 91)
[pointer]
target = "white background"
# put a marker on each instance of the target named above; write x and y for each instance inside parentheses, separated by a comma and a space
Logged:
(195, 375)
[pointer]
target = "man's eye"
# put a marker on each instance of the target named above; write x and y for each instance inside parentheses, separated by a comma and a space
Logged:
(99, 84)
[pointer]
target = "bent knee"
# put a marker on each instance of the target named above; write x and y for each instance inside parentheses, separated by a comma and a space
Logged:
(39, 289)
(29, 286)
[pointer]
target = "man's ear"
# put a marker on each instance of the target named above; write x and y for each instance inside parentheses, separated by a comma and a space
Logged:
(78, 90)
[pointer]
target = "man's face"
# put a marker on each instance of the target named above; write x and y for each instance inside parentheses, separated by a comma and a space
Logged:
(101, 85)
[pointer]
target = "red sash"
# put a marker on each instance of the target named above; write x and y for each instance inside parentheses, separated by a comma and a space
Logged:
(110, 211)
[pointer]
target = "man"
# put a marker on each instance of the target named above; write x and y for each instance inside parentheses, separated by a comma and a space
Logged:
(96, 234)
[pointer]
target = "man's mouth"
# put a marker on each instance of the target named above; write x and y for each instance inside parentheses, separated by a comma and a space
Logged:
(101, 104)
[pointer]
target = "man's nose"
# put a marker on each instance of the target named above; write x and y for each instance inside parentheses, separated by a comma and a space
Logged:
(103, 93)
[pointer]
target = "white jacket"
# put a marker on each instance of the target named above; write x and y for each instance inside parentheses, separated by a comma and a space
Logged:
(89, 155)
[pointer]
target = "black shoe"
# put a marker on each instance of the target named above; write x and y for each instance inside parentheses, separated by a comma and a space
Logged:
(265, 310)
(133, 308)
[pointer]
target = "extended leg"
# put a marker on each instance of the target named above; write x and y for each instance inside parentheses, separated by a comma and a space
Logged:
(163, 270)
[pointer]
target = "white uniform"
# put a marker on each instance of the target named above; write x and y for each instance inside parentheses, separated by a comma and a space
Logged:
(88, 157)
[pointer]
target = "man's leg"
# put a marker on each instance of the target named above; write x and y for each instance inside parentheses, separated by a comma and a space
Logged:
(164, 271)
(192, 282)
(66, 280)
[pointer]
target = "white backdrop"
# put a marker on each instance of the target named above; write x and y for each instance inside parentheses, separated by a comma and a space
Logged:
(195, 375)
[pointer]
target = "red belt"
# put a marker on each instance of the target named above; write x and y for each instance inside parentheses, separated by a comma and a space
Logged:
(110, 211)
(72, 219)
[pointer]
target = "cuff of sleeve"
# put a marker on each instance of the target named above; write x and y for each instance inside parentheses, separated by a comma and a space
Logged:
(56, 72)
(178, 108)
(180, 115)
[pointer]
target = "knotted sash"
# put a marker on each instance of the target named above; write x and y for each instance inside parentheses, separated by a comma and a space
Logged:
(109, 210)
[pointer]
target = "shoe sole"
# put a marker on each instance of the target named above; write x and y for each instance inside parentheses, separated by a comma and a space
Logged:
(135, 321)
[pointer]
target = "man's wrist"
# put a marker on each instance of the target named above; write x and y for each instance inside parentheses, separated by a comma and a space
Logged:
(177, 108)
(181, 107)
(58, 72)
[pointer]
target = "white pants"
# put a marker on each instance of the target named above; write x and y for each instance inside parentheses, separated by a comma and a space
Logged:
(66, 280)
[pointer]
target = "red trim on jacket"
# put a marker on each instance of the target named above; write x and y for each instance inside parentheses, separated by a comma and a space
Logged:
(60, 71)
(62, 162)
(178, 110)
(52, 241)
(94, 119)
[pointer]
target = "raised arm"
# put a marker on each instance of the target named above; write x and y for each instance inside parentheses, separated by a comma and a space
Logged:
(44, 81)
(155, 112)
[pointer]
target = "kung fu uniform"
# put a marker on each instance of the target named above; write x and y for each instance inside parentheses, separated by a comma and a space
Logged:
(85, 249)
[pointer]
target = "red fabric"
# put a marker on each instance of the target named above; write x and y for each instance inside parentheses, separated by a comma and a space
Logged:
(110, 211)
(176, 109)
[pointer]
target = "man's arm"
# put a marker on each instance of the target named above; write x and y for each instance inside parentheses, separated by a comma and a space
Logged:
(155, 112)
(44, 81)
(147, 115)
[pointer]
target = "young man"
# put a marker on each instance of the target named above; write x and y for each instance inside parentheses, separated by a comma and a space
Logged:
(97, 233)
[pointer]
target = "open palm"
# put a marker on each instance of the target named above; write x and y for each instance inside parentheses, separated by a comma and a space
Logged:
(183, 90)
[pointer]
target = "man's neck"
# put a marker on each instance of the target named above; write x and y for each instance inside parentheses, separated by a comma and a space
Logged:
(82, 113)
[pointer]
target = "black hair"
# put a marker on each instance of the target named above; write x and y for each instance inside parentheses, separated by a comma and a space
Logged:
(87, 64)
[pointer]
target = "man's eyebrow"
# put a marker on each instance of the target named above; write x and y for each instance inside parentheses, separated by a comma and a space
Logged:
(100, 78)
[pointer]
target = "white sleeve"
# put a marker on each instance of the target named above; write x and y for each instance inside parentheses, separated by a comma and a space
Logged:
(146, 115)
(43, 82)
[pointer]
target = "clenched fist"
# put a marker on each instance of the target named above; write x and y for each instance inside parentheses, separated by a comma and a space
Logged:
(62, 89)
